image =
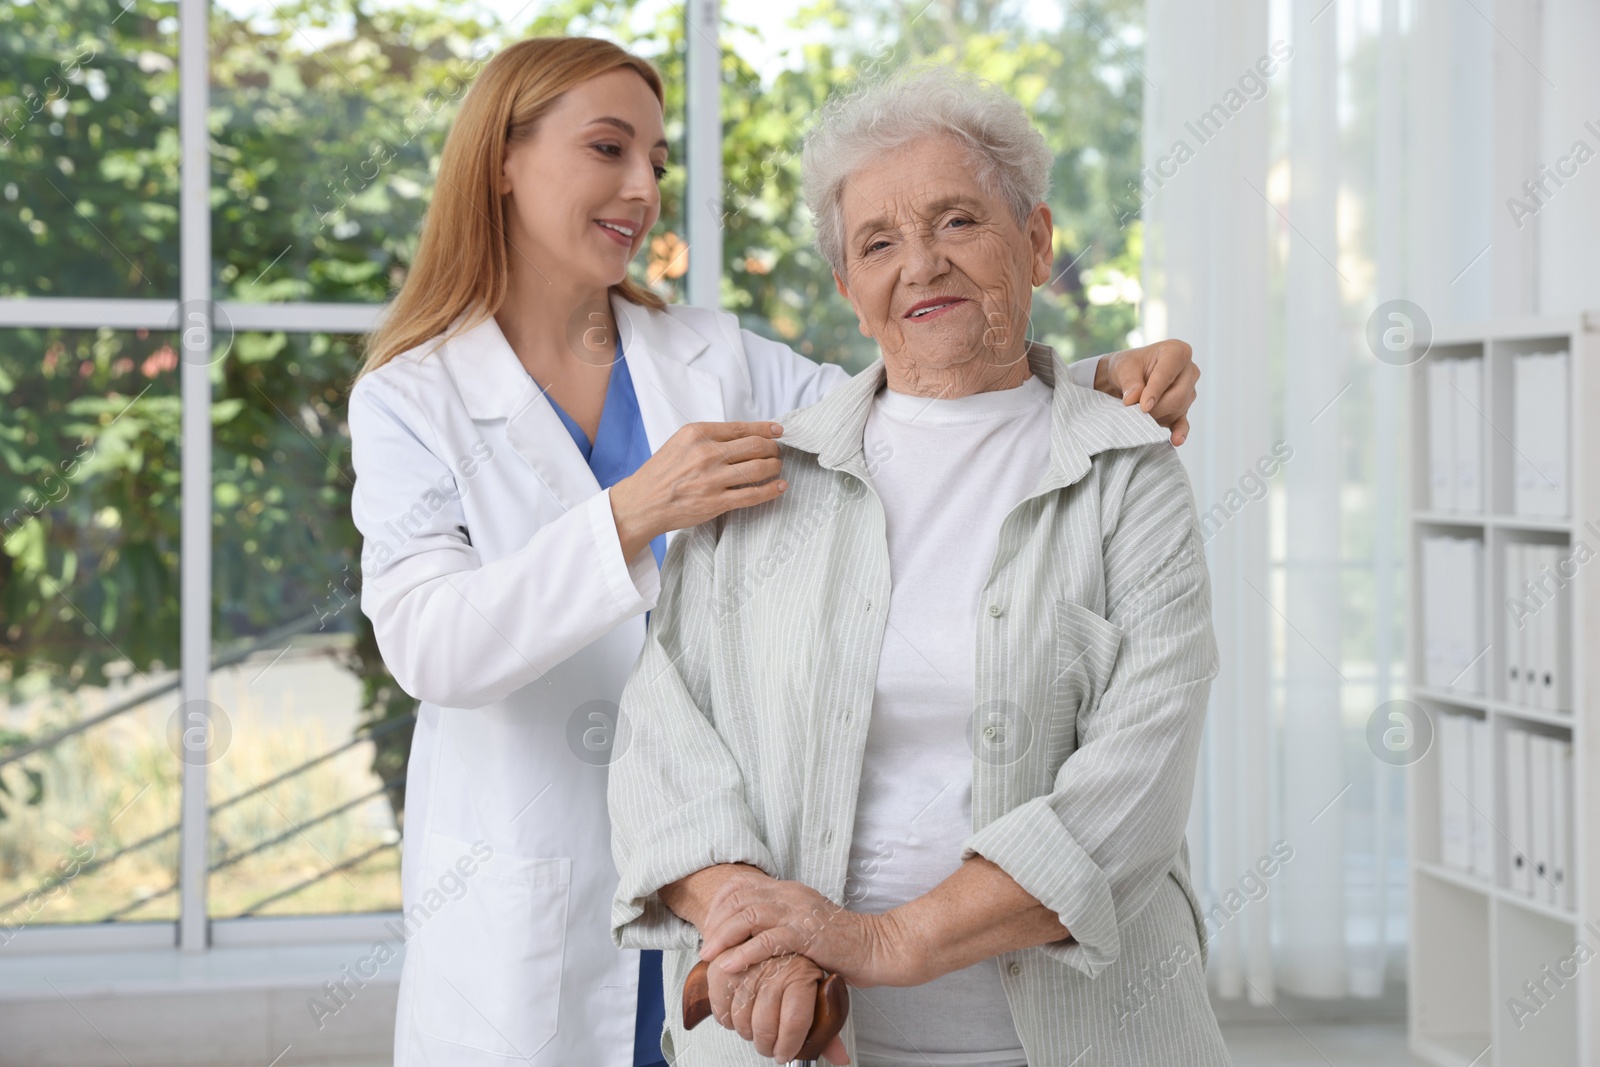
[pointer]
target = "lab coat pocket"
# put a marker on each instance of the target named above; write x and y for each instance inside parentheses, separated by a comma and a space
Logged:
(1086, 653)
(491, 957)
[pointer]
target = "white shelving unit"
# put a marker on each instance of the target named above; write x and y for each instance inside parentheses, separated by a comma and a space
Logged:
(1474, 943)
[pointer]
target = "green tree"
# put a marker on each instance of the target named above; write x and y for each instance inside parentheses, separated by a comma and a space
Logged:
(323, 156)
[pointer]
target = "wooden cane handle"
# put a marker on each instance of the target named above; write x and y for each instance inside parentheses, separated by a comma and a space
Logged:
(833, 1007)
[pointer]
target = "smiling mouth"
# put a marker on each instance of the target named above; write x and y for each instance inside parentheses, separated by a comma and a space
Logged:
(930, 308)
(623, 234)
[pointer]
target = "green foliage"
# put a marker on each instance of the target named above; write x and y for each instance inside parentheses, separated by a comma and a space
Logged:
(89, 149)
(325, 126)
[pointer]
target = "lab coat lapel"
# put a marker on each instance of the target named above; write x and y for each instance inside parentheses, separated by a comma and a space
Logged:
(672, 392)
(494, 385)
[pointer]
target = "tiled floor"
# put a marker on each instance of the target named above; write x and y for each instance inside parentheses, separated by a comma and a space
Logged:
(1319, 1045)
(117, 1009)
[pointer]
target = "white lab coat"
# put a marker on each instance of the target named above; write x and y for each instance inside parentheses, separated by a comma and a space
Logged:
(495, 583)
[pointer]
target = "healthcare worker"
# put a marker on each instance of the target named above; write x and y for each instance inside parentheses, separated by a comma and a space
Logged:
(529, 427)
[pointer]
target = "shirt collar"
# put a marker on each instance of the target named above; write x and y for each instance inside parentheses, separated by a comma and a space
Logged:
(1083, 422)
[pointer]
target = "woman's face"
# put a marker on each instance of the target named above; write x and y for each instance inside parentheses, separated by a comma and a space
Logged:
(937, 269)
(584, 189)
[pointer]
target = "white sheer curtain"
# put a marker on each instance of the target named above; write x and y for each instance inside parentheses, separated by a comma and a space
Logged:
(1377, 164)
(1206, 263)
(1244, 258)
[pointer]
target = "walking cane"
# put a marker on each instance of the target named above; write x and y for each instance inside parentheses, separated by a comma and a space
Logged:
(833, 1007)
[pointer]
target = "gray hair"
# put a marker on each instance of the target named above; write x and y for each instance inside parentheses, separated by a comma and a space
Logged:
(1010, 156)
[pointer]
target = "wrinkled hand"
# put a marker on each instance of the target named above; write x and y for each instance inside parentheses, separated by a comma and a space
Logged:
(1160, 378)
(750, 920)
(771, 1004)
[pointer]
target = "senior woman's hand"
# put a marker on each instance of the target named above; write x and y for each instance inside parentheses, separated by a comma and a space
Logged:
(1160, 378)
(771, 1005)
(751, 920)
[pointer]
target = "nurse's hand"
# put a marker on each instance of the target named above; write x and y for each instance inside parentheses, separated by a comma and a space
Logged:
(771, 1005)
(702, 471)
(1159, 378)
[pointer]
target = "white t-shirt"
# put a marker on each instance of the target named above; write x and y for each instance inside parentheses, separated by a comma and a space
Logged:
(952, 470)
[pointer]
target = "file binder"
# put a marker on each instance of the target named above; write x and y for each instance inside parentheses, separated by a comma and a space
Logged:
(1467, 435)
(1436, 613)
(1537, 591)
(1554, 632)
(1539, 434)
(1518, 828)
(1455, 849)
(1482, 807)
(1468, 658)
(1540, 767)
(1551, 450)
(1526, 499)
(1441, 435)
(1519, 622)
(1561, 823)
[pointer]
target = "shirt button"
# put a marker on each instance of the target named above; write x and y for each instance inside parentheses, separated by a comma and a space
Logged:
(989, 733)
(1015, 969)
(994, 611)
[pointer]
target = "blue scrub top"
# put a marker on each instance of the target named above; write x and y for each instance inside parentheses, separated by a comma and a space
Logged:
(620, 447)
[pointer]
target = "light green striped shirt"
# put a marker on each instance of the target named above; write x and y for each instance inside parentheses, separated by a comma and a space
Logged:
(746, 716)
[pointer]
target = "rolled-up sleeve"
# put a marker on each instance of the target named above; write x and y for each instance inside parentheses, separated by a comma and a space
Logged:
(1097, 846)
(676, 793)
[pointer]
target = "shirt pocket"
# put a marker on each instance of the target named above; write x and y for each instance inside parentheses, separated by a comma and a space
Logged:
(1085, 655)
(490, 956)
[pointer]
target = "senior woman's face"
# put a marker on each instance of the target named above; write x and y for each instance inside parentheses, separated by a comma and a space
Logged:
(936, 268)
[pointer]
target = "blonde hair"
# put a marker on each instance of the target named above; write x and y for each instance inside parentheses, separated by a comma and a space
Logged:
(462, 261)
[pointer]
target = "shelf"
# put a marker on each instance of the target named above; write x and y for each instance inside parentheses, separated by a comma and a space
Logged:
(1464, 880)
(1457, 878)
(1528, 904)
(1463, 1050)
(1530, 522)
(1476, 943)
(1526, 714)
(1451, 696)
(1504, 522)
(1449, 518)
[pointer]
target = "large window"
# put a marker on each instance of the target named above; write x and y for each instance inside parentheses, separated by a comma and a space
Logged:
(89, 149)
(88, 823)
(280, 755)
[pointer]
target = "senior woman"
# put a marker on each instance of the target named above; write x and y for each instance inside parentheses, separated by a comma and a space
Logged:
(930, 719)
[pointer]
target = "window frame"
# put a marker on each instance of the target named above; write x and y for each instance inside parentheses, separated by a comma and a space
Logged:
(195, 931)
